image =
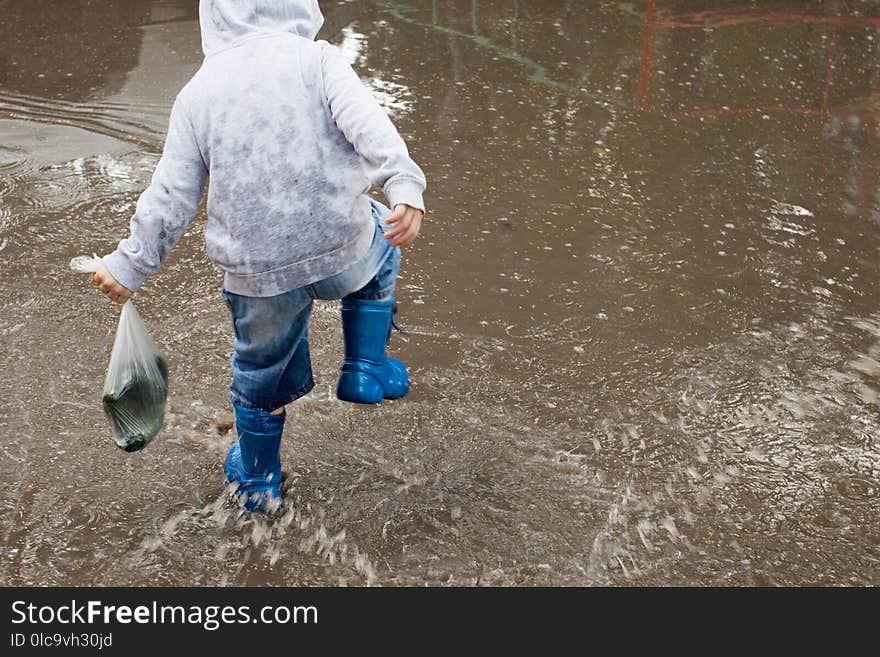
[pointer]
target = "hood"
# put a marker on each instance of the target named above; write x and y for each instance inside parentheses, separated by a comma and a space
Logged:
(225, 21)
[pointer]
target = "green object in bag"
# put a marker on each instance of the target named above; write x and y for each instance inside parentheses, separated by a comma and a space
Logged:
(137, 409)
(136, 385)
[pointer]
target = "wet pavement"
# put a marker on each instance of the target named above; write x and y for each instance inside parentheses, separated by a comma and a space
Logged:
(643, 318)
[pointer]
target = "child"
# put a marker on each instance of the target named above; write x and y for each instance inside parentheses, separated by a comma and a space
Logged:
(291, 140)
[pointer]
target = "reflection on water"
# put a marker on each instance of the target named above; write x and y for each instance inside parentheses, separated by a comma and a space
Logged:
(642, 321)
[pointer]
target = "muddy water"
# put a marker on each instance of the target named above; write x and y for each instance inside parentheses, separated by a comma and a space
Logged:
(643, 321)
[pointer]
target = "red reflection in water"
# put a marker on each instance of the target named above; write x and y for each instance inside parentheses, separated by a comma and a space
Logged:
(662, 18)
(727, 18)
(647, 55)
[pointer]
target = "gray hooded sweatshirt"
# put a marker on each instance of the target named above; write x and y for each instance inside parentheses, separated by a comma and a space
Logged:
(292, 141)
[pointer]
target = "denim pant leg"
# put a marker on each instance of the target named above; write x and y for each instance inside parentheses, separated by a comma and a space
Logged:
(373, 277)
(271, 365)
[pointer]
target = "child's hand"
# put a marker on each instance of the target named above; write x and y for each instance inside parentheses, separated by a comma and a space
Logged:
(405, 224)
(104, 280)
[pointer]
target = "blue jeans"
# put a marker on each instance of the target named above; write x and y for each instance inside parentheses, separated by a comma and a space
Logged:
(271, 366)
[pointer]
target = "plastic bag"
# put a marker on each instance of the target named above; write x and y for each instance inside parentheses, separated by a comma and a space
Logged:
(136, 385)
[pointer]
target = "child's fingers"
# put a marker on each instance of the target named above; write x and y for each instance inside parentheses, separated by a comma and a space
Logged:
(398, 214)
(414, 229)
(405, 228)
(119, 294)
(113, 290)
(402, 238)
(411, 232)
(409, 238)
(400, 225)
(109, 286)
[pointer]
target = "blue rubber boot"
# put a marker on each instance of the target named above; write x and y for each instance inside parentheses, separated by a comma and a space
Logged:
(368, 375)
(253, 462)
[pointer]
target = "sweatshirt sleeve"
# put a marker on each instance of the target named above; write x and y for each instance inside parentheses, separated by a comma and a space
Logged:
(366, 126)
(165, 209)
